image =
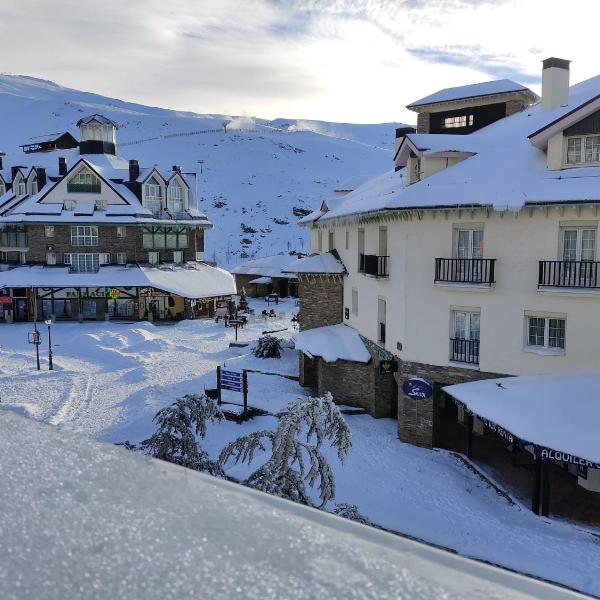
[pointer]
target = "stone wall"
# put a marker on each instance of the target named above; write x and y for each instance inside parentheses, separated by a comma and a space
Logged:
(321, 300)
(514, 106)
(423, 122)
(108, 241)
(416, 417)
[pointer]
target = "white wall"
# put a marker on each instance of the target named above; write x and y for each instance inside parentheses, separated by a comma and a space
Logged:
(418, 311)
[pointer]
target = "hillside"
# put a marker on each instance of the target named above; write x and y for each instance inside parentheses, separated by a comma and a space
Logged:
(255, 180)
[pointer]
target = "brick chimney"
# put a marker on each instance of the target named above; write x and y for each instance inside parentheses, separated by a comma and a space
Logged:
(62, 166)
(41, 177)
(134, 170)
(555, 83)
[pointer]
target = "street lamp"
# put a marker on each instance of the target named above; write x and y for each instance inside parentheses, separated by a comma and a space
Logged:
(50, 367)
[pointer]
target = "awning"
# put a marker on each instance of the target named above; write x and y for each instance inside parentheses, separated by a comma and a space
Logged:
(193, 280)
(331, 343)
(262, 280)
(557, 415)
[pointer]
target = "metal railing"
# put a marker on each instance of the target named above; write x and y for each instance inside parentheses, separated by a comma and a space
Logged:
(465, 351)
(372, 264)
(567, 273)
(465, 270)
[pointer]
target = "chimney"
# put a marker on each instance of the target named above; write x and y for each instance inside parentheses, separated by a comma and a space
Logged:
(62, 166)
(177, 168)
(41, 177)
(555, 83)
(134, 170)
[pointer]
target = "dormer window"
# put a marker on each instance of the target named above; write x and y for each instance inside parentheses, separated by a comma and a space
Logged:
(2, 188)
(583, 149)
(176, 198)
(21, 188)
(85, 182)
(458, 121)
(153, 197)
(34, 185)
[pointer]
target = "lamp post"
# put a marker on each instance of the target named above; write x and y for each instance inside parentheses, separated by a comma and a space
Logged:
(35, 328)
(50, 367)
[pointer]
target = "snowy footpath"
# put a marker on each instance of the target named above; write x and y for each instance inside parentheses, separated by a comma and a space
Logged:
(111, 378)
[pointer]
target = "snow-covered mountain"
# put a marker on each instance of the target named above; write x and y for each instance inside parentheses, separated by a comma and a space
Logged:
(256, 180)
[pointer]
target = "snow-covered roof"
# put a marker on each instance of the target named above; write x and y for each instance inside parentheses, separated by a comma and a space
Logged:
(352, 183)
(192, 280)
(331, 343)
(267, 266)
(96, 118)
(560, 412)
(262, 281)
(322, 263)
(49, 137)
(90, 520)
(505, 171)
(485, 88)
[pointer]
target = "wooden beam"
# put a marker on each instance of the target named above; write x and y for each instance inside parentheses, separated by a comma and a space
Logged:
(535, 497)
(469, 435)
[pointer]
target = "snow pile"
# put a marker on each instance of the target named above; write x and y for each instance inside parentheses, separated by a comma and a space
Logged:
(560, 412)
(322, 263)
(331, 343)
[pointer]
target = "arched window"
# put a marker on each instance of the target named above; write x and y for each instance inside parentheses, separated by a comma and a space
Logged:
(176, 198)
(85, 182)
(153, 197)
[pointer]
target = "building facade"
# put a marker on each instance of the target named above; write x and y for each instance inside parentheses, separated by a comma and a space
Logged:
(85, 234)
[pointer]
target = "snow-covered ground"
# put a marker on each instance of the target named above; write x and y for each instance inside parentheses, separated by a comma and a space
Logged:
(255, 181)
(110, 379)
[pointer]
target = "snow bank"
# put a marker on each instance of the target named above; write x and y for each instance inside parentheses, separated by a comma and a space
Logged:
(560, 412)
(334, 342)
(84, 520)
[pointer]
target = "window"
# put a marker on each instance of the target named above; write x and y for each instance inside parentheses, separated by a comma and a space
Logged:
(21, 189)
(199, 256)
(85, 182)
(101, 204)
(68, 259)
(546, 332)
(459, 121)
(361, 250)
(331, 240)
(578, 243)
(176, 199)
(153, 258)
(104, 258)
(165, 237)
(355, 301)
(34, 185)
(153, 197)
(121, 231)
(49, 231)
(468, 243)
(383, 249)
(319, 240)
(464, 335)
(50, 258)
(84, 235)
(347, 239)
(381, 320)
(69, 204)
(2, 189)
(466, 324)
(121, 258)
(583, 149)
(177, 256)
(84, 263)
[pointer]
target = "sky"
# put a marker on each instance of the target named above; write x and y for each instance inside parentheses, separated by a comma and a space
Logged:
(357, 61)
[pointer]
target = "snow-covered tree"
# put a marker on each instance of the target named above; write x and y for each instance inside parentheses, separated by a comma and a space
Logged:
(350, 511)
(268, 347)
(296, 461)
(178, 428)
(243, 304)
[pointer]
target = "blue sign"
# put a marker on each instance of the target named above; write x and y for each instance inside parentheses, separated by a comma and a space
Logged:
(231, 380)
(417, 388)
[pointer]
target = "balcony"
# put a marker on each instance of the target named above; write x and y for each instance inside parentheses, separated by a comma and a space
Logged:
(464, 351)
(472, 271)
(580, 274)
(376, 266)
(83, 188)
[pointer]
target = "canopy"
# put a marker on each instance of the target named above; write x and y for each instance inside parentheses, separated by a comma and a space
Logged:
(557, 414)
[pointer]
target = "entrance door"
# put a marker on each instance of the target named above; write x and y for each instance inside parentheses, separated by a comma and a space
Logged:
(20, 309)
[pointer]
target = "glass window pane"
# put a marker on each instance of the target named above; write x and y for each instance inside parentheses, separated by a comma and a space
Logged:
(474, 326)
(570, 244)
(588, 244)
(556, 333)
(477, 250)
(463, 243)
(536, 331)
(460, 325)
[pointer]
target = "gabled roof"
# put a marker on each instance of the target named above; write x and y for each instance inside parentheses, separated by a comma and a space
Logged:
(475, 90)
(145, 174)
(96, 118)
(48, 139)
(179, 175)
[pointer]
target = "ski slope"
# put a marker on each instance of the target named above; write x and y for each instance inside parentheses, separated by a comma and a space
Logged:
(256, 180)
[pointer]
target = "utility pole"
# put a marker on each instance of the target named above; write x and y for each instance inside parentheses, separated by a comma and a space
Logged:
(50, 366)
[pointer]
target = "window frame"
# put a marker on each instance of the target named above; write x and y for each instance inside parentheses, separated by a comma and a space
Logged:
(545, 347)
(578, 229)
(582, 151)
(49, 231)
(85, 238)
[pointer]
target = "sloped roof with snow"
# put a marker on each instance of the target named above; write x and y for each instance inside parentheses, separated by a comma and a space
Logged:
(560, 412)
(334, 342)
(96, 521)
(326, 263)
(505, 172)
(267, 266)
(485, 88)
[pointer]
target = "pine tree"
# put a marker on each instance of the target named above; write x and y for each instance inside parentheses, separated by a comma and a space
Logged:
(243, 305)
(296, 461)
(178, 426)
(350, 511)
(268, 347)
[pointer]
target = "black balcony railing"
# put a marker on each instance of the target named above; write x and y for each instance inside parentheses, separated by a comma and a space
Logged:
(569, 274)
(83, 188)
(465, 351)
(465, 270)
(371, 264)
